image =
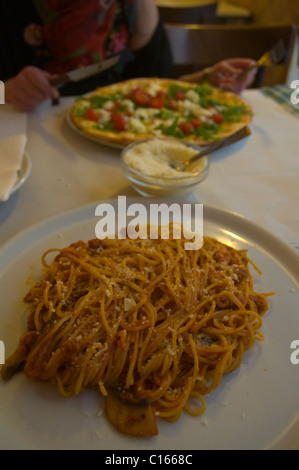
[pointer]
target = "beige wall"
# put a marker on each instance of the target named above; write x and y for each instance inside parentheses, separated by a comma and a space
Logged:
(271, 11)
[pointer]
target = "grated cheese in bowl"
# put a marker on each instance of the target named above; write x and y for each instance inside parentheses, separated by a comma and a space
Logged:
(147, 164)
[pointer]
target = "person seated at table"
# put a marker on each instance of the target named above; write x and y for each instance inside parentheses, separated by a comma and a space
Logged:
(51, 37)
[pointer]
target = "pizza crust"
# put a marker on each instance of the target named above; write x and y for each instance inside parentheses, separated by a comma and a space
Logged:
(124, 138)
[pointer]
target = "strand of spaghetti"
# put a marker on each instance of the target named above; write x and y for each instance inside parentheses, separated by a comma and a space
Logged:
(195, 358)
(135, 324)
(254, 265)
(183, 400)
(218, 372)
(178, 352)
(234, 324)
(163, 274)
(132, 360)
(178, 404)
(174, 289)
(42, 347)
(45, 338)
(227, 331)
(231, 296)
(232, 318)
(61, 388)
(223, 284)
(259, 336)
(206, 353)
(119, 363)
(172, 400)
(237, 358)
(68, 376)
(135, 287)
(201, 410)
(203, 371)
(153, 316)
(106, 266)
(206, 256)
(78, 328)
(167, 361)
(103, 316)
(252, 337)
(204, 320)
(91, 373)
(154, 394)
(37, 322)
(109, 361)
(68, 286)
(51, 309)
(161, 331)
(189, 322)
(95, 271)
(83, 366)
(45, 294)
(154, 363)
(143, 347)
(57, 356)
(100, 376)
(45, 254)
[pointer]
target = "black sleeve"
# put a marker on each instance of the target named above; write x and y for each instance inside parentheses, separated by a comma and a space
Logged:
(153, 60)
(15, 54)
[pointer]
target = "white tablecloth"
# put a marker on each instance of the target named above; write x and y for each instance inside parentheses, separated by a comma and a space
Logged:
(258, 177)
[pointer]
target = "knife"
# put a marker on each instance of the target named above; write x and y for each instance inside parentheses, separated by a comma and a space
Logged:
(84, 72)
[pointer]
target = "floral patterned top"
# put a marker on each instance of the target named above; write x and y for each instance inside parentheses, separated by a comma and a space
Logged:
(75, 33)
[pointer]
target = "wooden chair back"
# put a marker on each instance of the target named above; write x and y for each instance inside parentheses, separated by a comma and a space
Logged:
(202, 14)
(195, 47)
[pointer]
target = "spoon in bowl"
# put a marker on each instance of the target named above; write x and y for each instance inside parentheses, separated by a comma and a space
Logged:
(183, 165)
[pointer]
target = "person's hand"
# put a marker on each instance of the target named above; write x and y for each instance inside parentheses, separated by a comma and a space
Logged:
(233, 74)
(30, 88)
(230, 74)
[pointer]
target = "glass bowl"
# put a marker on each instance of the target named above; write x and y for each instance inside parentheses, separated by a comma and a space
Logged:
(148, 183)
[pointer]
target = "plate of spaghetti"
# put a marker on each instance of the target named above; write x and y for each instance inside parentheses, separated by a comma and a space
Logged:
(125, 343)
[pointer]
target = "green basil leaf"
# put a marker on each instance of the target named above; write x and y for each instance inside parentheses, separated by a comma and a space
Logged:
(81, 111)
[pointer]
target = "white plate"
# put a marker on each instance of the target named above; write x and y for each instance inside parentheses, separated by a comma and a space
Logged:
(23, 173)
(87, 136)
(256, 407)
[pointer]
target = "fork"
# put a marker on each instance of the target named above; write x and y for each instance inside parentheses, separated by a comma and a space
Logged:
(271, 57)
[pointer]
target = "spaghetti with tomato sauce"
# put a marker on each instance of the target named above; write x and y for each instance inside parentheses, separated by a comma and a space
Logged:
(145, 319)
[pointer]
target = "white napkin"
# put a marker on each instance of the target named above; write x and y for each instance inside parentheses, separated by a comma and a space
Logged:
(13, 127)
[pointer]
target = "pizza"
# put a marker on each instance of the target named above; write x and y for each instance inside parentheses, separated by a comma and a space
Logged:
(136, 109)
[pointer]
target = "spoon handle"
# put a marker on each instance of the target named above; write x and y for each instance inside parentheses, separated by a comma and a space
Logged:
(240, 134)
